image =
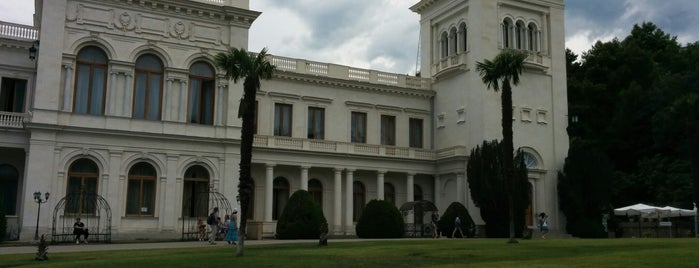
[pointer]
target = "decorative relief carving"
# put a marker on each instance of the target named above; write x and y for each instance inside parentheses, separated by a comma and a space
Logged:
(125, 22)
(179, 30)
(95, 15)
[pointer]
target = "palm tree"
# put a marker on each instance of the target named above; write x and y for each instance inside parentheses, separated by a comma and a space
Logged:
(506, 67)
(240, 64)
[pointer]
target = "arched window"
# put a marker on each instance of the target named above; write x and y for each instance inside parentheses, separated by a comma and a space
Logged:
(359, 199)
(280, 196)
(389, 193)
(82, 182)
(530, 160)
(453, 42)
(533, 37)
(519, 35)
(315, 188)
(140, 197)
(463, 36)
(444, 42)
(507, 33)
(9, 181)
(90, 81)
(148, 88)
(195, 192)
(201, 94)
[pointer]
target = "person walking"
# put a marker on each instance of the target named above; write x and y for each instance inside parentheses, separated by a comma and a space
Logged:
(435, 228)
(457, 226)
(212, 221)
(543, 224)
(232, 234)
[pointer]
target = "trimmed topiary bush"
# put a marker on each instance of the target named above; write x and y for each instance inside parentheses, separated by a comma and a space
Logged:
(380, 219)
(446, 222)
(302, 218)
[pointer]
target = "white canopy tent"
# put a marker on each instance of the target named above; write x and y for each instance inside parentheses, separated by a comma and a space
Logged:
(639, 209)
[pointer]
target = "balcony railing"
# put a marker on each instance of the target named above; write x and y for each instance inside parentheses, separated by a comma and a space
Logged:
(262, 141)
(348, 73)
(13, 120)
(18, 31)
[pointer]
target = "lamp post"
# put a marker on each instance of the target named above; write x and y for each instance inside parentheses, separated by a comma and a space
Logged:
(38, 200)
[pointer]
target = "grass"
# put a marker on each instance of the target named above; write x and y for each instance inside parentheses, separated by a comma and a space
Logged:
(401, 253)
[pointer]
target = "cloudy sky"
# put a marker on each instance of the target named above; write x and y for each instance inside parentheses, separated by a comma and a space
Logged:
(383, 34)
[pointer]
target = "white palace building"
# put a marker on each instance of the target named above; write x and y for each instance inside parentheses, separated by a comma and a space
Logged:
(121, 99)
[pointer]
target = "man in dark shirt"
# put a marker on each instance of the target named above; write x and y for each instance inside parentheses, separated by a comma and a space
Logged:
(78, 230)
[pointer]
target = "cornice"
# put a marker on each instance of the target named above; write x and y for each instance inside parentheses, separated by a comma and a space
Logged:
(422, 5)
(353, 85)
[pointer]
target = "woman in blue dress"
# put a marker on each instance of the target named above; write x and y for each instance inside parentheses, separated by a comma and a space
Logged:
(232, 234)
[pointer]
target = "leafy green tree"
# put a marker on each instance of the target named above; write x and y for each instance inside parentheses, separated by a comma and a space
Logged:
(302, 218)
(240, 64)
(583, 190)
(487, 183)
(380, 219)
(504, 69)
(446, 222)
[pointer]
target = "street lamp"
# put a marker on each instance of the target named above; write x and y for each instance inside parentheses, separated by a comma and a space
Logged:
(33, 50)
(37, 199)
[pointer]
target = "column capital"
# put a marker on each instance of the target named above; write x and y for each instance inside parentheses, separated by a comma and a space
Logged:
(382, 171)
(305, 167)
(270, 165)
(351, 169)
(338, 169)
(411, 173)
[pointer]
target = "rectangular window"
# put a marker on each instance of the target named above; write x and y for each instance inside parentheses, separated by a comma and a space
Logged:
(415, 133)
(140, 198)
(388, 130)
(282, 119)
(201, 101)
(12, 93)
(358, 127)
(316, 123)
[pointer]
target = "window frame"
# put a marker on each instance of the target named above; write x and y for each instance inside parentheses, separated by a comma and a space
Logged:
(92, 66)
(204, 80)
(416, 142)
(277, 200)
(316, 191)
(9, 88)
(141, 179)
(194, 182)
(315, 115)
(83, 177)
(148, 73)
(355, 131)
(389, 193)
(388, 129)
(358, 197)
(281, 110)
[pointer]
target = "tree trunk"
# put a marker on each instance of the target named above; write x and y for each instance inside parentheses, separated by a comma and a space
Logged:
(509, 152)
(246, 140)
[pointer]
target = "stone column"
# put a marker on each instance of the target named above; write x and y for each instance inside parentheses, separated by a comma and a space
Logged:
(167, 99)
(127, 96)
(349, 208)
(337, 202)
(304, 177)
(410, 194)
(437, 190)
(68, 88)
(183, 101)
(379, 184)
(460, 188)
(111, 95)
(269, 180)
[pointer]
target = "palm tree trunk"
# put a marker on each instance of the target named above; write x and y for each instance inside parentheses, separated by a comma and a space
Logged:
(246, 139)
(509, 151)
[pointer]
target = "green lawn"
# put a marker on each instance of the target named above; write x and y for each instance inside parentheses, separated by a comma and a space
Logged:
(402, 253)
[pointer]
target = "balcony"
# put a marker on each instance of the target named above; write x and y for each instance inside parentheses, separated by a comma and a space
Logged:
(452, 62)
(325, 146)
(18, 31)
(13, 120)
(349, 73)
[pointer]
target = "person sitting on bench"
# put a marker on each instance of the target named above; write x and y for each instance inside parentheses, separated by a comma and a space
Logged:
(78, 230)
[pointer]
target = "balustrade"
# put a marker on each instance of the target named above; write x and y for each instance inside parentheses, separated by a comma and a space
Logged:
(13, 30)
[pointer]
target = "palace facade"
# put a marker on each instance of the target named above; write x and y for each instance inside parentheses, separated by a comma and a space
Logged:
(121, 98)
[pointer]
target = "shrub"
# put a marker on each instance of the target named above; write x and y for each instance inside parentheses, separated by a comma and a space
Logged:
(302, 218)
(3, 221)
(446, 222)
(380, 219)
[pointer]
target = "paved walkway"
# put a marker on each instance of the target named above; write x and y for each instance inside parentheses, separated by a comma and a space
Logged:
(31, 248)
